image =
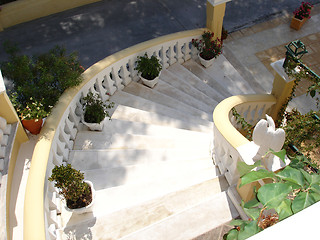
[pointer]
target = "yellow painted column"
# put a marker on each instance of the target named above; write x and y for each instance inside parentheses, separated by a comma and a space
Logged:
(215, 14)
(282, 88)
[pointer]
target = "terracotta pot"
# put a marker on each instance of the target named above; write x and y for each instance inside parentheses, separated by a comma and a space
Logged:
(206, 63)
(297, 23)
(32, 125)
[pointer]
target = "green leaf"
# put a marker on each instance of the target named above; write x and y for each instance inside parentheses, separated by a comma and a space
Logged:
(249, 230)
(301, 201)
(237, 222)
(255, 176)
(315, 187)
(284, 209)
(311, 178)
(252, 203)
(244, 168)
(232, 234)
(292, 175)
(252, 212)
(281, 154)
(272, 194)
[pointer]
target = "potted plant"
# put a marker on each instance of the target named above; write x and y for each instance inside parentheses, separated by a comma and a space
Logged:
(301, 15)
(39, 81)
(31, 113)
(95, 111)
(208, 48)
(149, 69)
(78, 193)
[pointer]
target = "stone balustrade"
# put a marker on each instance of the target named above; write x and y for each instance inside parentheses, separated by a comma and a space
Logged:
(59, 132)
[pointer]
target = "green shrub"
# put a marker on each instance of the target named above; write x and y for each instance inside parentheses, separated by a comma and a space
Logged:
(71, 185)
(148, 67)
(95, 110)
(41, 78)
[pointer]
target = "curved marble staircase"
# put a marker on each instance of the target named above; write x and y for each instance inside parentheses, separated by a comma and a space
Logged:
(152, 165)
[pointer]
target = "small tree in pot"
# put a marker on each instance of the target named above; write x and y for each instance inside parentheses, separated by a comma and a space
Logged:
(95, 111)
(70, 182)
(149, 69)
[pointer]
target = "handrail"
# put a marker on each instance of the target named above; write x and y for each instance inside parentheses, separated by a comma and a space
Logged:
(227, 139)
(57, 136)
(221, 116)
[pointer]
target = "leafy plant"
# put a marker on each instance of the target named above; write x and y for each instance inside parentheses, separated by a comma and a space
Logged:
(246, 128)
(148, 67)
(95, 110)
(290, 191)
(40, 79)
(71, 185)
(208, 47)
(303, 11)
(301, 130)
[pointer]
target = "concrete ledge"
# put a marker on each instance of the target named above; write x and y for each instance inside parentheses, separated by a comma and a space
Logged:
(26, 10)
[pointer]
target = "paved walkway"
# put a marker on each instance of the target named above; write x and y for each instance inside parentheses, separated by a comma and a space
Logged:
(100, 29)
(251, 50)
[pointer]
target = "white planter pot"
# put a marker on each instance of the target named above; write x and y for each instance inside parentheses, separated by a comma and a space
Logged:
(149, 83)
(87, 208)
(93, 126)
(206, 63)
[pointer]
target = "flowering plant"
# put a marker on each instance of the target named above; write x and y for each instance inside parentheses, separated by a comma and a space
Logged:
(208, 47)
(303, 11)
(32, 109)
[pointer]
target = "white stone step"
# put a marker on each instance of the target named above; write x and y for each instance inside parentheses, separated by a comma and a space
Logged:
(139, 128)
(132, 114)
(200, 84)
(169, 90)
(140, 90)
(133, 141)
(116, 176)
(228, 77)
(191, 223)
(130, 100)
(129, 220)
(97, 159)
(191, 86)
(115, 199)
(198, 70)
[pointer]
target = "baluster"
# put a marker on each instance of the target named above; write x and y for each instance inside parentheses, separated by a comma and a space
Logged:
(74, 118)
(52, 232)
(171, 55)
(117, 79)
(187, 51)
(70, 129)
(179, 54)
(61, 150)
(164, 58)
(132, 71)
(64, 137)
(108, 83)
(125, 75)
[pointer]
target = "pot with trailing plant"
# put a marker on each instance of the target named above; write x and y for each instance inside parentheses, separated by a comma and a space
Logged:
(301, 15)
(208, 47)
(78, 193)
(95, 111)
(149, 69)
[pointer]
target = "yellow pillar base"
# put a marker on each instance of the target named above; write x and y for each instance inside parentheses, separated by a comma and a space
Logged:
(282, 88)
(215, 14)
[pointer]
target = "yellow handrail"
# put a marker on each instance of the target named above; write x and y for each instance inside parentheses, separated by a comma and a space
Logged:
(221, 116)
